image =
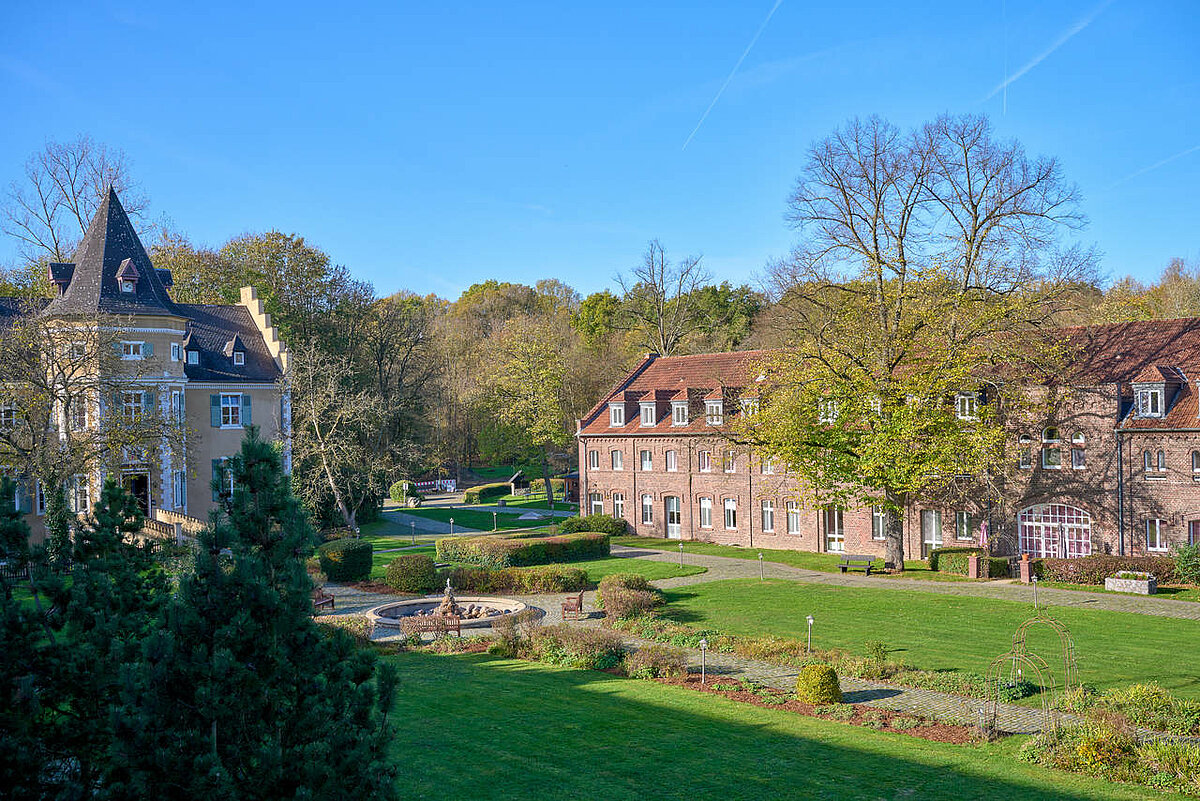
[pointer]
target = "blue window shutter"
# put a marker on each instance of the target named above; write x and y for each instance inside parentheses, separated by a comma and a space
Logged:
(214, 405)
(148, 402)
(147, 350)
(216, 477)
(183, 487)
(26, 496)
(246, 419)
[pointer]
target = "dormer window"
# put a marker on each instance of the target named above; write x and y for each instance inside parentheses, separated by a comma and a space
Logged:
(966, 405)
(679, 413)
(1150, 402)
(648, 415)
(714, 412)
(239, 357)
(128, 286)
(616, 415)
(193, 357)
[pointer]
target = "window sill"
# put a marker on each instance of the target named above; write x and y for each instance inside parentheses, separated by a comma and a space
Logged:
(231, 427)
(1152, 477)
(1052, 467)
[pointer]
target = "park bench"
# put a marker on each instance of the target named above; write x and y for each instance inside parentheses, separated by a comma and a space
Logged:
(437, 624)
(321, 598)
(572, 607)
(854, 561)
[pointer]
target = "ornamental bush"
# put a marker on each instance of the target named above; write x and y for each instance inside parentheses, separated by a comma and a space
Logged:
(952, 560)
(400, 491)
(486, 492)
(538, 487)
(1094, 569)
(412, 573)
(627, 595)
(818, 685)
(1187, 563)
(501, 551)
(606, 524)
(345, 560)
(655, 662)
(592, 649)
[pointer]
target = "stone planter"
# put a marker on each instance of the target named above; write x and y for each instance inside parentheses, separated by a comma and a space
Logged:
(1138, 586)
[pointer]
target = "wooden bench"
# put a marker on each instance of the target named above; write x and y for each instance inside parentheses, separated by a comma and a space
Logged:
(854, 561)
(321, 598)
(572, 607)
(437, 624)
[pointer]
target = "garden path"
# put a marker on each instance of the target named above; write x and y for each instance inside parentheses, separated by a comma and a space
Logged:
(425, 526)
(725, 567)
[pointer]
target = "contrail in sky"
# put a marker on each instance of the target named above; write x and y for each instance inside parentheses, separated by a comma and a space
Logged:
(733, 72)
(1066, 36)
(1154, 166)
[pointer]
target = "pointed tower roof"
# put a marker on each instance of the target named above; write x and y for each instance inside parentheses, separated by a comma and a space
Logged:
(109, 247)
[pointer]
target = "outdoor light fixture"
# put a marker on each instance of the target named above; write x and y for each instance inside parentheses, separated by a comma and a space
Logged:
(703, 649)
(413, 523)
(810, 622)
(452, 527)
(495, 526)
(760, 567)
(1035, 602)
(681, 554)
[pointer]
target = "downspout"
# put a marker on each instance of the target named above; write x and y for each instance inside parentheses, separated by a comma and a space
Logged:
(750, 493)
(1120, 478)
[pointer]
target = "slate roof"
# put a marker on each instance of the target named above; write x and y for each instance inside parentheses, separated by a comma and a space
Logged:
(210, 329)
(109, 246)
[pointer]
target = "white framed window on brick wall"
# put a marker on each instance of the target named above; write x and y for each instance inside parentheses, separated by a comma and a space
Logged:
(671, 458)
(647, 461)
(647, 510)
(616, 460)
(618, 505)
(966, 405)
(714, 412)
(730, 514)
(768, 466)
(1156, 537)
(729, 462)
(706, 513)
(1195, 464)
(704, 461)
(595, 503)
(768, 515)
(964, 526)
(1051, 457)
(132, 351)
(793, 517)
(1078, 458)
(879, 522)
(1025, 452)
(1149, 402)
(594, 460)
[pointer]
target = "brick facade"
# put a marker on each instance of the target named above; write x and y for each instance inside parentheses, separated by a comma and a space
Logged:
(1083, 489)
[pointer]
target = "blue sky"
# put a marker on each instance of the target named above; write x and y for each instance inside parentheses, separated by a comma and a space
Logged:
(428, 146)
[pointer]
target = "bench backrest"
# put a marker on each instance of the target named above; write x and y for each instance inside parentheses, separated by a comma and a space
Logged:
(853, 557)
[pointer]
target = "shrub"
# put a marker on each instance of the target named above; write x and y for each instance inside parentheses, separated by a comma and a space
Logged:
(876, 650)
(357, 626)
(818, 685)
(655, 661)
(400, 491)
(345, 560)
(621, 603)
(1094, 569)
(837, 711)
(340, 533)
(623, 581)
(538, 487)
(997, 567)
(524, 580)
(486, 492)
(593, 649)
(952, 560)
(412, 573)
(1187, 563)
(904, 724)
(501, 551)
(606, 524)
(1150, 706)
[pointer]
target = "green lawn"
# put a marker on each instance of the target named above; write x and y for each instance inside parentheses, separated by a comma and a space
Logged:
(390, 534)
(536, 502)
(599, 568)
(380, 560)
(471, 518)
(1173, 593)
(490, 475)
(945, 631)
(480, 727)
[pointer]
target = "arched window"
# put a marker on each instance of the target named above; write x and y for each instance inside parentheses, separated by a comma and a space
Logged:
(1162, 461)
(1050, 434)
(1078, 438)
(1147, 461)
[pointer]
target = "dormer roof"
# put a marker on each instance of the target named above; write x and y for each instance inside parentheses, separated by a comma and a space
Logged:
(234, 345)
(1159, 374)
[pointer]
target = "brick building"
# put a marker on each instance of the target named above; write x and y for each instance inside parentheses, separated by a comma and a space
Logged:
(1114, 468)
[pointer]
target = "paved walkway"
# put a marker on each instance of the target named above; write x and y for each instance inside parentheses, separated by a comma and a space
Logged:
(425, 526)
(725, 567)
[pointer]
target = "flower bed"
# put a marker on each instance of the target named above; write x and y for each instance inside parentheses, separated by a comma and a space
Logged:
(1128, 581)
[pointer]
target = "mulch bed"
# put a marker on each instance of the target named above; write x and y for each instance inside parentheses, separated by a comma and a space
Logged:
(862, 715)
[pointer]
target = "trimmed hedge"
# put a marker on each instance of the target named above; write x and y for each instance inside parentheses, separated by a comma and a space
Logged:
(499, 551)
(402, 490)
(606, 524)
(519, 580)
(954, 560)
(486, 492)
(818, 685)
(346, 560)
(1094, 569)
(538, 487)
(412, 573)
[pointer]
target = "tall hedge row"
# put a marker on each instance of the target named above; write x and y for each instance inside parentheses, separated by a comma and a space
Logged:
(1097, 567)
(345, 560)
(496, 552)
(603, 523)
(486, 492)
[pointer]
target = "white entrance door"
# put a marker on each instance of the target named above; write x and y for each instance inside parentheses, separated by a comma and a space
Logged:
(835, 534)
(931, 531)
(674, 518)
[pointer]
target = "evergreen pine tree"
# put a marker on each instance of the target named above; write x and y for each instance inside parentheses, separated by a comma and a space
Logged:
(239, 694)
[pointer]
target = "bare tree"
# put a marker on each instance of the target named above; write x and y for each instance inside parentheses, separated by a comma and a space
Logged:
(64, 184)
(929, 264)
(660, 303)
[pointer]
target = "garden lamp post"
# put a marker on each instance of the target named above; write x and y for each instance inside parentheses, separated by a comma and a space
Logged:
(494, 524)
(703, 666)
(760, 567)
(681, 555)
(1035, 602)
(413, 523)
(452, 527)
(810, 622)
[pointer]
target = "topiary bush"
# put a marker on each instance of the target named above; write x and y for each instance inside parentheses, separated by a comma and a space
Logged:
(593, 649)
(345, 560)
(818, 685)
(519, 580)
(606, 524)
(400, 491)
(501, 551)
(486, 492)
(412, 573)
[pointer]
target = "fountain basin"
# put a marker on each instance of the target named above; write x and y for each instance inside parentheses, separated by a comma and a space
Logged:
(391, 614)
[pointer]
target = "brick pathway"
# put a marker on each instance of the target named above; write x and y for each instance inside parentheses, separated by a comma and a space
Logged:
(725, 567)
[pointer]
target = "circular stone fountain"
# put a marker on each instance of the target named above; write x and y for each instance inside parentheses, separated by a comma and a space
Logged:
(473, 612)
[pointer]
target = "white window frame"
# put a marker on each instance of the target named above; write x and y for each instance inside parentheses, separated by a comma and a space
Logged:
(768, 515)
(749, 406)
(1195, 462)
(595, 503)
(671, 460)
(679, 413)
(1156, 539)
(1051, 462)
(77, 414)
(39, 496)
(616, 460)
(706, 507)
(729, 462)
(239, 358)
(178, 489)
(618, 505)
(128, 286)
(132, 404)
(1078, 438)
(616, 415)
(793, 517)
(8, 414)
(132, 351)
(966, 405)
(730, 506)
(704, 461)
(593, 459)
(962, 526)
(645, 461)
(176, 351)
(827, 411)
(648, 415)
(714, 412)
(1078, 458)
(193, 357)
(879, 523)
(647, 510)
(231, 410)
(767, 466)
(1150, 402)
(178, 410)
(81, 494)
